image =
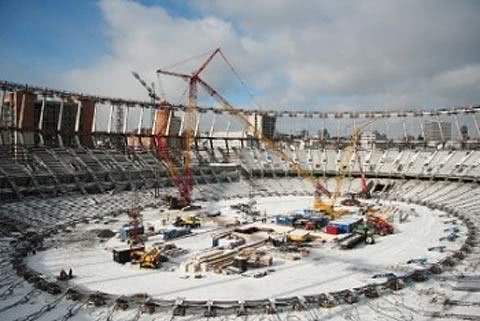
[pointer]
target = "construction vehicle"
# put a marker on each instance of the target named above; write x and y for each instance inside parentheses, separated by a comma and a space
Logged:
(150, 259)
(380, 225)
(175, 203)
(174, 233)
(191, 221)
(361, 234)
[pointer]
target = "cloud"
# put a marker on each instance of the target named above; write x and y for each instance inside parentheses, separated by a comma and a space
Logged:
(304, 55)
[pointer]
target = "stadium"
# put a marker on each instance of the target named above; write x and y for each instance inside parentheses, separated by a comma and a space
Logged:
(220, 160)
(168, 220)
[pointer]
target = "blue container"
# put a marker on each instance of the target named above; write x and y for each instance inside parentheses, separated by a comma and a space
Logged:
(347, 225)
(283, 220)
(126, 231)
(174, 233)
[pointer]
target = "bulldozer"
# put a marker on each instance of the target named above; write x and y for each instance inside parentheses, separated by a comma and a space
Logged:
(191, 221)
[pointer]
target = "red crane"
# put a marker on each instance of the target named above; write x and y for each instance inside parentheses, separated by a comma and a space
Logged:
(184, 181)
(194, 80)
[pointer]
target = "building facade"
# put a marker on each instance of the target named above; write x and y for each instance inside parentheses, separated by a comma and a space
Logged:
(262, 126)
(28, 113)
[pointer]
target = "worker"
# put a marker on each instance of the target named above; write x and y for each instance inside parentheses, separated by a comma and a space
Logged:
(63, 275)
(70, 273)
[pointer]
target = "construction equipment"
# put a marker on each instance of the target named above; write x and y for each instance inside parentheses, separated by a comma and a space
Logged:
(182, 181)
(320, 189)
(380, 225)
(136, 229)
(174, 233)
(194, 80)
(150, 259)
(351, 151)
(191, 221)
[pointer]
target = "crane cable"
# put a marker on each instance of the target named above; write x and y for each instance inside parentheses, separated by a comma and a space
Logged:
(240, 79)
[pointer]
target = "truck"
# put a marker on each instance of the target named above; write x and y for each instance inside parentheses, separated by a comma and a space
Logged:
(191, 221)
(174, 233)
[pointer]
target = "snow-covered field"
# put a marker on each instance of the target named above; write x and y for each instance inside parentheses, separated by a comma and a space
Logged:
(326, 269)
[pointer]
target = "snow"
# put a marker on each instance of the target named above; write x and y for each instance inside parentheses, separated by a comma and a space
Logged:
(326, 269)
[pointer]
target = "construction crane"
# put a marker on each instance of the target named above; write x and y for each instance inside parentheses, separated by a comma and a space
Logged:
(350, 151)
(320, 190)
(194, 80)
(182, 181)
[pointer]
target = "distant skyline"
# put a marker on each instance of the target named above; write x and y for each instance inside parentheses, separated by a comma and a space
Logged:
(309, 55)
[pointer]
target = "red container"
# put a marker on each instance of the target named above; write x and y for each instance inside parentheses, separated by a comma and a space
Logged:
(331, 229)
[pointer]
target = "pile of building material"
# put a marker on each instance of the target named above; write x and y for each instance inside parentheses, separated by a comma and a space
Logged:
(256, 257)
(171, 250)
(213, 260)
(292, 251)
(299, 236)
(229, 261)
(227, 240)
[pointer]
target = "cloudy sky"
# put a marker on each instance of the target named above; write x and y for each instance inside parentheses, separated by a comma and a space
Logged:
(309, 55)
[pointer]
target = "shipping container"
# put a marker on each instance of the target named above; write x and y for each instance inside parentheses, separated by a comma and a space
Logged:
(283, 220)
(126, 231)
(123, 255)
(346, 225)
(332, 229)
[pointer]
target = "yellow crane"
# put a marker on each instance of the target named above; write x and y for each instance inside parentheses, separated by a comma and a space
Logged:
(343, 169)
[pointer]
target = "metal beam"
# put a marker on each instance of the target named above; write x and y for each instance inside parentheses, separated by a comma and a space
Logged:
(125, 119)
(77, 116)
(60, 115)
(4, 93)
(476, 125)
(140, 121)
(110, 117)
(442, 137)
(22, 111)
(94, 121)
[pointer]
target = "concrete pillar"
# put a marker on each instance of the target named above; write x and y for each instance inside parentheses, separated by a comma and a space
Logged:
(25, 110)
(86, 122)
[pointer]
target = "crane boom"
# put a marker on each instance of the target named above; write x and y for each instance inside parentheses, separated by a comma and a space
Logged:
(270, 144)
